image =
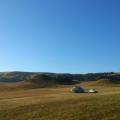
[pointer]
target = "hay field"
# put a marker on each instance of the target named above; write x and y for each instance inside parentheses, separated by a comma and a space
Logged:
(60, 104)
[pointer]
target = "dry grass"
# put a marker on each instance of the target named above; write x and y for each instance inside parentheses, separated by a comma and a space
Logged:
(60, 104)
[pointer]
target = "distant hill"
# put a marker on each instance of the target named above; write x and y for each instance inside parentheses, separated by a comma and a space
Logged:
(24, 76)
(43, 79)
(14, 76)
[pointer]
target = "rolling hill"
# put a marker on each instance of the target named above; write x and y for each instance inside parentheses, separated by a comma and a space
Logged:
(28, 80)
(20, 100)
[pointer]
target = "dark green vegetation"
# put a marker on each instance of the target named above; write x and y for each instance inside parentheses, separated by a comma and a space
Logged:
(58, 78)
(14, 76)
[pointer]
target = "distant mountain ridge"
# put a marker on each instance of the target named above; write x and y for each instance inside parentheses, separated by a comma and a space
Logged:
(13, 76)
(57, 77)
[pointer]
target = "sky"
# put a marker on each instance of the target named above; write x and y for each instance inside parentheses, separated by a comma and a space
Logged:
(71, 36)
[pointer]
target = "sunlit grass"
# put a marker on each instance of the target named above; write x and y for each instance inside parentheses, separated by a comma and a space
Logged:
(60, 104)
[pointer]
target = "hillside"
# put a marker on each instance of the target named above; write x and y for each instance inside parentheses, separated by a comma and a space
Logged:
(21, 76)
(14, 76)
(53, 100)
(28, 80)
(101, 83)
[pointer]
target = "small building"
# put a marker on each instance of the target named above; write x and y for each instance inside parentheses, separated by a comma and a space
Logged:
(77, 89)
(92, 90)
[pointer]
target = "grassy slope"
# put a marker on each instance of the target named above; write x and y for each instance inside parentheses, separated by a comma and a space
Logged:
(101, 82)
(17, 86)
(25, 85)
(60, 104)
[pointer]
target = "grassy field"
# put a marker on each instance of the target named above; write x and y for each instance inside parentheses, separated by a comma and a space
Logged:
(60, 104)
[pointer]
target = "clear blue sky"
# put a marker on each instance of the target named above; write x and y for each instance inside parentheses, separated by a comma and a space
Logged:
(76, 36)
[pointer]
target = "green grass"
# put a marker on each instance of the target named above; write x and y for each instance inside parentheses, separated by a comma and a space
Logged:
(60, 104)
